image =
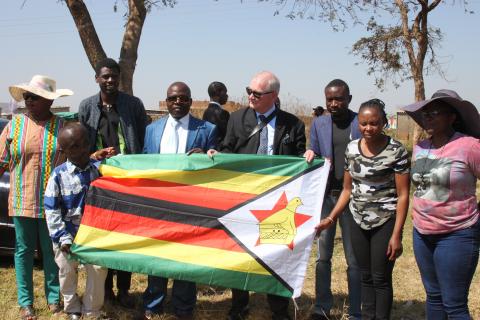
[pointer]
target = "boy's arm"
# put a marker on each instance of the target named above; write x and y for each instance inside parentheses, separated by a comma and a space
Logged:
(53, 212)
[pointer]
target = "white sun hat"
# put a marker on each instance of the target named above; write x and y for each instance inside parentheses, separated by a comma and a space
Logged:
(42, 86)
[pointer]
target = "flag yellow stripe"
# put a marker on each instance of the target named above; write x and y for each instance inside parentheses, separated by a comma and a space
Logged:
(203, 256)
(224, 179)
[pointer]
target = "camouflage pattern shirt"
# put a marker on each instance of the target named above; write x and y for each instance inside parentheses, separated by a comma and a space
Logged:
(374, 196)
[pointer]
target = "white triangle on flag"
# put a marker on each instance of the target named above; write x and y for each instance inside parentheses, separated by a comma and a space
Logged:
(288, 262)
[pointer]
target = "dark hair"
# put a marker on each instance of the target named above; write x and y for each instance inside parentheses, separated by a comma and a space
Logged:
(318, 111)
(72, 126)
(338, 83)
(214, 89)
(106, 63)
(375, 103)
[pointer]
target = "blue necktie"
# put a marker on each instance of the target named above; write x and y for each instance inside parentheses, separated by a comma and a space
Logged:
(263, 146)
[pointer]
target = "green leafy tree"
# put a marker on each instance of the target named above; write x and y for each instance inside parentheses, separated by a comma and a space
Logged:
(402, 50)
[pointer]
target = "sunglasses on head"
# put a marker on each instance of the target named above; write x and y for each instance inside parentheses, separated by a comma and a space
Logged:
(31, 96)
(256, 94)
(180, 98)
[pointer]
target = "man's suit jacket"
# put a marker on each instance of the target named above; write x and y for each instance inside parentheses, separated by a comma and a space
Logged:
(201, 134)
(219, 117)
(289, 138)
(321, 134)
(133, 120)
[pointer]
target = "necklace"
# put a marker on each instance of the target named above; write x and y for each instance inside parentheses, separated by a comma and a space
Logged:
(423, 183)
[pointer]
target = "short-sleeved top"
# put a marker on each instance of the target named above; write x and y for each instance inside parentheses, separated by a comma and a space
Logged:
(374, 195)
(445, 179)
(28, 149)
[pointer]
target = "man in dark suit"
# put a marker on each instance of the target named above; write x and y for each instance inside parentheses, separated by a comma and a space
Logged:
(179, 132)
(215, 113)
(281, 134)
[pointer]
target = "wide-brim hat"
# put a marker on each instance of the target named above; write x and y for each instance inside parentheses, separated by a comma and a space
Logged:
(41, 86)
(465, 109)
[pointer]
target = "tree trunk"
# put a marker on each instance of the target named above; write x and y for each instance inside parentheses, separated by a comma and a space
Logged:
(131, 39)
(416, 33)
(418, 132)
(88, 35)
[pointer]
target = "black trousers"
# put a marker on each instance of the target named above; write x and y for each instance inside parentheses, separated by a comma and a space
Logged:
(370, 250)
(123, 280)
(278, 305)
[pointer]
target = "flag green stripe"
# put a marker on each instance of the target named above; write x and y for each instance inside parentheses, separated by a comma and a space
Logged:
(259, 164)
(177, 270)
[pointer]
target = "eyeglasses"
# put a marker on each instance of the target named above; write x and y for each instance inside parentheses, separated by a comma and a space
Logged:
(256, 94)
(180, 98)
(29, 95)
(431, 113)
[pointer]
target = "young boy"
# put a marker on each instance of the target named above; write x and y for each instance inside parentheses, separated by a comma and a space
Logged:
(64, 202)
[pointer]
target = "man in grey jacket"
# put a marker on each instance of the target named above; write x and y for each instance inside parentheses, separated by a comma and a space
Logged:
(113, 118)
(117, 121)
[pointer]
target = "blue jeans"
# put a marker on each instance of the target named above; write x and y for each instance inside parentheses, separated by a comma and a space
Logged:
(323, 272)
(447, 263)
(184, 295)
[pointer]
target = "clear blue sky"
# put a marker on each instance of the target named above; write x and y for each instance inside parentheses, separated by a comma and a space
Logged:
(200, 41)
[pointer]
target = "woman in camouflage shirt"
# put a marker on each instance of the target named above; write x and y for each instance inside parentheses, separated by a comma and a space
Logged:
(376, 184)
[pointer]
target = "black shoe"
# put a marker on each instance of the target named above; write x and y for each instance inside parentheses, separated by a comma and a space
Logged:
(109, 296)
(147, 315)
(184, 316)
(281, 317)
(125, 300)
(316, 316)
(235, 314)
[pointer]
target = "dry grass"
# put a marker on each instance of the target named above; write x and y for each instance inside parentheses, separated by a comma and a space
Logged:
(409, 295)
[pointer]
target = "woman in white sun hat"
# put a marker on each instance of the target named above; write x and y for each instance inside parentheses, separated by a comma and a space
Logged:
(29, 150)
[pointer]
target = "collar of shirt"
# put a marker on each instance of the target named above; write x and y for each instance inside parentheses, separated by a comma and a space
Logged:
(183, 121)
(71, 168)
(101, 104)
(266, 114)
(214, 102)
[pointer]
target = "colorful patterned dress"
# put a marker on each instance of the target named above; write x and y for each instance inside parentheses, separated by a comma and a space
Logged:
(28, 149)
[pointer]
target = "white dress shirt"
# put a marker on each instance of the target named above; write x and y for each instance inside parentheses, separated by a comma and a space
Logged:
(167, 144)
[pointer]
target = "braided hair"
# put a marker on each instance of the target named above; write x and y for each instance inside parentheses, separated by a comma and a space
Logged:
(375, 104)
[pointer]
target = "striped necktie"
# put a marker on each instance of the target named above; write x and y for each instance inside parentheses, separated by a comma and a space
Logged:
(263, 146)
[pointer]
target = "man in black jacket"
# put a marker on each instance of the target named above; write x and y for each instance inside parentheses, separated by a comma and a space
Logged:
(281, 134)
(214, 113)
(114, 120)
(284, 132)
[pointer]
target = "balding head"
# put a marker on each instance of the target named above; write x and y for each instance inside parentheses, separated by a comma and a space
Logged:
(179, 99)
(263, 91)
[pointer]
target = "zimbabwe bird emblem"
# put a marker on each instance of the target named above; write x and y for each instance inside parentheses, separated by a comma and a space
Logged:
(279, 225)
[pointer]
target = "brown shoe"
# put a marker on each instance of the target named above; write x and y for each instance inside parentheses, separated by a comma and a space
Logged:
(27, 313)
(55, 308)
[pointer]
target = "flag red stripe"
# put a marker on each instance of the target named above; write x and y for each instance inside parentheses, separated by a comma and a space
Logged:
(158, 229)
(175, 192)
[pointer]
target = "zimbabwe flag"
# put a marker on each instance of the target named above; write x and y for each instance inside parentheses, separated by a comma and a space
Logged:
(238, 221)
